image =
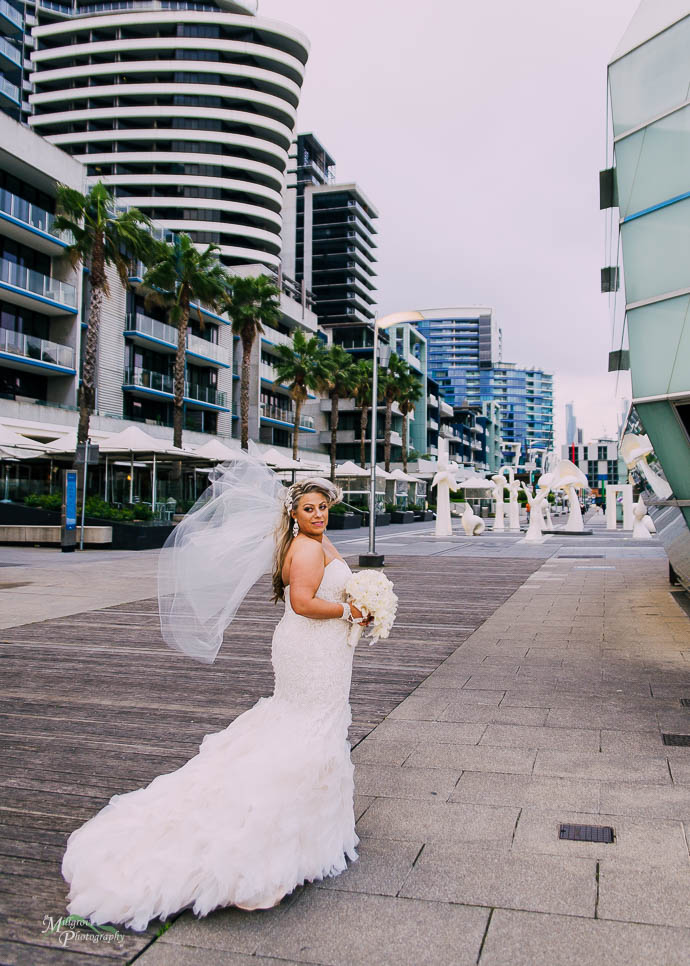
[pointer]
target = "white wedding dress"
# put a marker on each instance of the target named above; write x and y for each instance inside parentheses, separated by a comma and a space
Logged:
(264, 806)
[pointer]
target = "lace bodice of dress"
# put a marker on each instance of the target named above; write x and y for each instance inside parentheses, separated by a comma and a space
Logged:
(312, 659)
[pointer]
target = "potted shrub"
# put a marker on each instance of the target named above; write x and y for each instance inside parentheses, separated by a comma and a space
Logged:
(398, 515)
(340, 518)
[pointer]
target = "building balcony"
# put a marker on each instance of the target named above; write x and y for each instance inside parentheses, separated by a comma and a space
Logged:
(432, 424)
(10, 19)
(32, 353)
(285, 416)
(9, 93)
(10, 57)
(274, 337)
(159, 384)
(151, 330)
(353, 436)
(30, 286)
(30, 224)
(432, 401)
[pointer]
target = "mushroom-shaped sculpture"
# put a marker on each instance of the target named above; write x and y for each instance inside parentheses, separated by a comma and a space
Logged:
(513, 487)
(445, 480)
(536, 503)
(566, 477)
(471, 523)
(544, 483)
(498, 488)
(643, 527)
(634, 450)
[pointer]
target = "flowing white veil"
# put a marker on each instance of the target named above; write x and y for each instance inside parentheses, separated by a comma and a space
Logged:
(214, 556)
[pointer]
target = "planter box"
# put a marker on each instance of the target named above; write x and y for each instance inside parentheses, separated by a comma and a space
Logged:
(382, 519)
(343, 521)
(402, 516)
(423, 516)
(125, 536)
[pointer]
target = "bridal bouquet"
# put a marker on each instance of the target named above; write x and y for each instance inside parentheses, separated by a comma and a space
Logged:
(372, 593)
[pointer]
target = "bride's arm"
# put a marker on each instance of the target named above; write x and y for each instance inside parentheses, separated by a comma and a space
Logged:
(306, 573)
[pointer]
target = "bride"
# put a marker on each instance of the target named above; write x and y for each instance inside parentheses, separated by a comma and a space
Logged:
(267, 803)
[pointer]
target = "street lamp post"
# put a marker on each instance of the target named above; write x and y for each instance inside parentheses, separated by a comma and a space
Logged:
(371, 558)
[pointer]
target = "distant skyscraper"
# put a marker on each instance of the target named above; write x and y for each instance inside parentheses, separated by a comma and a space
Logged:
(570, 424)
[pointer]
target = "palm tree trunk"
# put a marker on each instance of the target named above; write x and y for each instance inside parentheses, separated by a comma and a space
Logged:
(178, 380)
(87, 392)
(334, 430)
(404, 442)
(295, 434)
(363, 420)
(247, 344)
(387, 434)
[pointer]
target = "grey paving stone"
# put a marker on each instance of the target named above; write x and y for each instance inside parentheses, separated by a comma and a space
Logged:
(167, 954)
(361, 803)
(594, 718)
(446, 732)
(461, 711)
(389, 781)
(638, 842)
(486, 681)
(680, 770)
(603, 767)
(380, 869)
(530, 790)
(488, 698)
(646, 801)
(390, 752)
(657, 896)
(420, 707)
(345, 929)
(543, 883)
(444, 822)
(228, 929)
(535, 939)
(487, 758)
(515, 736)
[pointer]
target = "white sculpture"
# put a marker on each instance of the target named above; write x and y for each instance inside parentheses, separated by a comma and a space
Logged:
(626, 491)
(566, 477)
(471, 523)
(444, 481)
(634, 451)
(499, 484)
(544, 482)
(513, 487)
(643, 527)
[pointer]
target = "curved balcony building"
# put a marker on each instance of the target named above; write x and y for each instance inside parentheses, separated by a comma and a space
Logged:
(186, 109)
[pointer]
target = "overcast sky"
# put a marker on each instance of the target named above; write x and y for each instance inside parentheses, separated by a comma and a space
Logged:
(478, 130)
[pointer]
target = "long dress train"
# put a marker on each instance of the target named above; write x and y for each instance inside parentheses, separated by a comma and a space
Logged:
(264, 806)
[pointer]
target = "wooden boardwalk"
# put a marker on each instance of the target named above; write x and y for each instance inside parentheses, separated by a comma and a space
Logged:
(96, 704)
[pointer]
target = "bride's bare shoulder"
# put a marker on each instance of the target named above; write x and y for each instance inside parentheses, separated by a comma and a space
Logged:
(306, 554)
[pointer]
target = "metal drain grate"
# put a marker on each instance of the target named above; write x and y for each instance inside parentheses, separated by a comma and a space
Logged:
(587, 833)
(678, 740)
(685, 702)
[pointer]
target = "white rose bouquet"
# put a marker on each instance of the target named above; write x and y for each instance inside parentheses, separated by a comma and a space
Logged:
(372, 593)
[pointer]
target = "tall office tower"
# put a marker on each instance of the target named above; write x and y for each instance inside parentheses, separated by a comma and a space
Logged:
(333, 251)
(186, 110)
(462, 342)
(572, 431)
(13, 92)
(525, 397)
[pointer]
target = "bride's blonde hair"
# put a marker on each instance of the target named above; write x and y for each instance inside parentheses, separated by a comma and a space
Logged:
(284, 535)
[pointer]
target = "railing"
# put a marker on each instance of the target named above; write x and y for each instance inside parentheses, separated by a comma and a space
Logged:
(31, 347)
(10, 13)
(275, 337)
(10, 52)
(37, 283)
(168, 334)
(432, 400)
(160, 382)
(30, 214)
(267, 372)
(9, 90)
(285, 415)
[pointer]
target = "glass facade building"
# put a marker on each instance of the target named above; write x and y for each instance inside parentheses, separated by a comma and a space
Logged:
(648, 79)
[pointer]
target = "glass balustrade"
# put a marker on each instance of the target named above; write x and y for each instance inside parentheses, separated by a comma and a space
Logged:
(161, 382)
(37, 283)
(31, 347)
(144, 324)
(286, 415)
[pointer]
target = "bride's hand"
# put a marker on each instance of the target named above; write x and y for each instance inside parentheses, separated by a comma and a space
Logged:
(357, 614)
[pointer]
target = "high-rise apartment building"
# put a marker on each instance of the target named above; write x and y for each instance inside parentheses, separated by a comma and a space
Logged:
(12, 59)
(334, 244)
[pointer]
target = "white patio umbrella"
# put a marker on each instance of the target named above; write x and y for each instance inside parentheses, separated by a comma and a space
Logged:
(218, 452)
(135, 441)
(348, 468)
(475, 482)
(8, 438)
(399, 474)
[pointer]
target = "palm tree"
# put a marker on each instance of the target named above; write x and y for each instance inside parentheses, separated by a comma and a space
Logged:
(409, 393)
(390, 390)
(179, 273)
(302, 367)
(337, 385)
(254, 303)
(102, 237)
(360, 388)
